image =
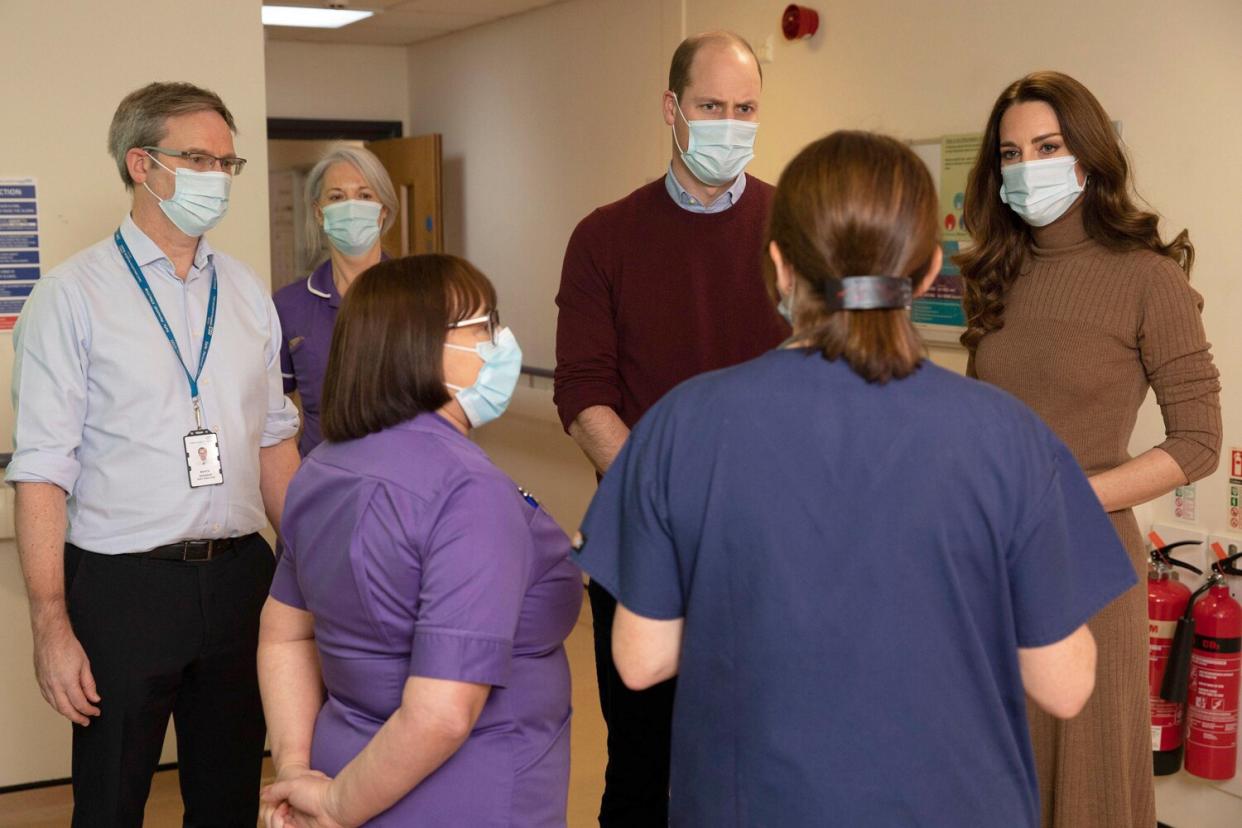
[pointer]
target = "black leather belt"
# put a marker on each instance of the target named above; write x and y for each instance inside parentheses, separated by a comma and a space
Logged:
(190, 550)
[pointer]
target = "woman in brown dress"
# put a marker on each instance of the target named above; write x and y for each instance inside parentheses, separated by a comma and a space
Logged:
(1076, 306)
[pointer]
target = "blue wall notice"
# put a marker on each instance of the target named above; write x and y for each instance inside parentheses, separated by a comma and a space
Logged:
(17, 208)
(18, 274)
(19, 246)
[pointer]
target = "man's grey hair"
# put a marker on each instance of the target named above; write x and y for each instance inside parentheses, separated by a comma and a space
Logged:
(373, 172)
(141, 119)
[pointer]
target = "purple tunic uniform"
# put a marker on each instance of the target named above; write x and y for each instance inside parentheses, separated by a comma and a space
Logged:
(418, 557)
(307, 310)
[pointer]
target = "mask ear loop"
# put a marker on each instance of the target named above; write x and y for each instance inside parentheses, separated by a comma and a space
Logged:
(790, 297)
(152, 192)
(474, 350)
(689, 132)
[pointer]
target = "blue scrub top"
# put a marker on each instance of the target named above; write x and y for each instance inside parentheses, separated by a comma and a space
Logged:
(857, 565)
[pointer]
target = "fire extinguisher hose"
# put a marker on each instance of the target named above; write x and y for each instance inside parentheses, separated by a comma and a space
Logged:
(1177, 676)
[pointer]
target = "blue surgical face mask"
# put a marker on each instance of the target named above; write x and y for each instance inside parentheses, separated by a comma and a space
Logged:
(199, 199)
(352, 226)
(718, 150)
(488, 396)
(1041, 191)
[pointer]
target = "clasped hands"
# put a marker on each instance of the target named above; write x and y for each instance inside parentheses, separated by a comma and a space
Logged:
(299, 798)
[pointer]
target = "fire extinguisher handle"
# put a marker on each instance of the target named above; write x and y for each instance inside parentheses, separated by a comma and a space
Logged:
(1227, 565)
(1161, 554)
(1184, 565)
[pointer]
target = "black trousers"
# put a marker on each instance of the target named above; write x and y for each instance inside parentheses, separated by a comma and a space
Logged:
(640, 729)
(170, 638)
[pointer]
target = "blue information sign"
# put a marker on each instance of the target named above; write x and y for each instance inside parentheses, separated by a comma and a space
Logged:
(18, 208)
(19, 246)
(14, 291)
(19, 257)
(11, 241)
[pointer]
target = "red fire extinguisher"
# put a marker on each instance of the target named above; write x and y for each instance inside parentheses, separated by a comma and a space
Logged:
(1215, 676)
(1167, 599)
(1207, 673)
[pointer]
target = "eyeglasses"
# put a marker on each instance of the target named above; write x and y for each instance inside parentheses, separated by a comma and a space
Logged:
(202, 162)
(492, 320)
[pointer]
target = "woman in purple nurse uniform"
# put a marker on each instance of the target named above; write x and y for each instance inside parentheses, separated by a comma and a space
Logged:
(411, 653)
(350, 203)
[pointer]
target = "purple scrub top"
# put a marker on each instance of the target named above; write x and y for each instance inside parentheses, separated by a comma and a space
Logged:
(418, 557)
(307, 310)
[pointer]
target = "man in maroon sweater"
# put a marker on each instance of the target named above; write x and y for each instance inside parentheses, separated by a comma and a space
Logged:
(660, 286)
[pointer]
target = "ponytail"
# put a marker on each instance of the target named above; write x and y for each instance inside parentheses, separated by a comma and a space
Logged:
(849, 204)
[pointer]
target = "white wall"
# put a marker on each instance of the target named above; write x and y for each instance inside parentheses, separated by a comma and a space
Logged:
(68, 64)
(552, 113)
(321, 80)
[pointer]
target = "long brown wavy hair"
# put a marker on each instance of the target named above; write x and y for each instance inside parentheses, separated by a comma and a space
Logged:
(856, 204)
(1110, 213)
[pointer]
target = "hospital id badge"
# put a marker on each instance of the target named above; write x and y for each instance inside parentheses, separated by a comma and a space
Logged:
(202, 455)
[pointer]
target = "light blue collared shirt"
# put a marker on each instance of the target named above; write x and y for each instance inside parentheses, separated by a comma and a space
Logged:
(102, 405)
(685, 201)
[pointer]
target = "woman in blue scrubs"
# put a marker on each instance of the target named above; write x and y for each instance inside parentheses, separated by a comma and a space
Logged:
(858, 564)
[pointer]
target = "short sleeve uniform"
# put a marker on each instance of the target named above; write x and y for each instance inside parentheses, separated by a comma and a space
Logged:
(418, 557)
(307, 310)
(857, 565)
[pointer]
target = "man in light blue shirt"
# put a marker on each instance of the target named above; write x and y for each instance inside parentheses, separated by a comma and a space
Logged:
(152, 443)
(688, 201)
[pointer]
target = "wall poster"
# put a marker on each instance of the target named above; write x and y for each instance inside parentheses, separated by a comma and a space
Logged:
(19, 246)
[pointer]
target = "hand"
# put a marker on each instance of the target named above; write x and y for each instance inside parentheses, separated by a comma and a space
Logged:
(306, 800)
(278, 814)
(64, 672)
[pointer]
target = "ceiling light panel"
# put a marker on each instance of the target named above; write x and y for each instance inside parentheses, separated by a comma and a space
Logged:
(314, 18)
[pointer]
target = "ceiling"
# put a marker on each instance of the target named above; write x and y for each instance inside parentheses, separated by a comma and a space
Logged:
(402, 22)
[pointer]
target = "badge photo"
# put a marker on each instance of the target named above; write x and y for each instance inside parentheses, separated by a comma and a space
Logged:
(202, 456)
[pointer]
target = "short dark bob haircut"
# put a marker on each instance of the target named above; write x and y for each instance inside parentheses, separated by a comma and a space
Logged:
(386, 363)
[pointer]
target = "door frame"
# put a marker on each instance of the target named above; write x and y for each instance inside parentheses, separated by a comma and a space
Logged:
(323, 129)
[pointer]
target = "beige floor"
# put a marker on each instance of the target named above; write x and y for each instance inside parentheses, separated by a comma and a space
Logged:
(51, 807)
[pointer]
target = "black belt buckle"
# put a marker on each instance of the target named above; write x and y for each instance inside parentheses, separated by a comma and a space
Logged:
(191, 551)
(197, 550)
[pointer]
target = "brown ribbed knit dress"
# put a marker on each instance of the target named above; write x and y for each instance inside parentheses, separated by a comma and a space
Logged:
(1086, 331)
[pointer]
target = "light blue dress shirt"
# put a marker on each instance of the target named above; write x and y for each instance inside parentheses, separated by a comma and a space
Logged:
(688, 202)
(102, 405)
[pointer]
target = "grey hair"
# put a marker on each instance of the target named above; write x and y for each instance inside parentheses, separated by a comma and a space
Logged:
(373, 172)
(141, 118)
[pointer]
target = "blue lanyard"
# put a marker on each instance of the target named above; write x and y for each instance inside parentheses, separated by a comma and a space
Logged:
(159, 317)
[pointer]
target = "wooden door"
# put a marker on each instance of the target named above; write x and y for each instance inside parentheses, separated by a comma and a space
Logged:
(414, 165)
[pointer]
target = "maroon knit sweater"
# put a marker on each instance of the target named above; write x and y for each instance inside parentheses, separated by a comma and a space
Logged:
(652, 294)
